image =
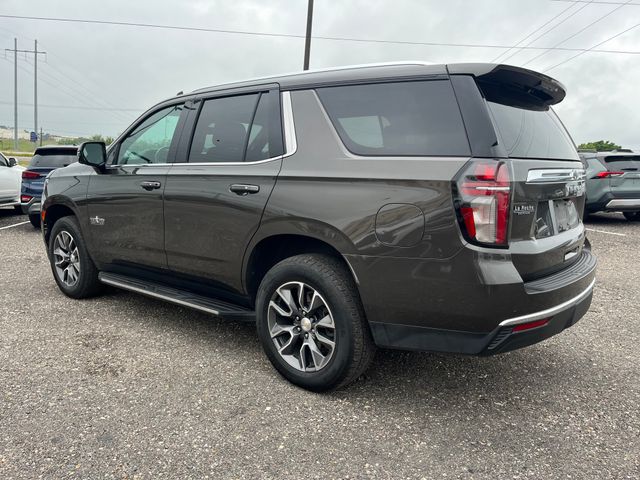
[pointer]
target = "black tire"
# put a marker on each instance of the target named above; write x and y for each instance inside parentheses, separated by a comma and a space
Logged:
(18, 210)
(632, 216)
(353, 350)
(87, 283)
(35, 220)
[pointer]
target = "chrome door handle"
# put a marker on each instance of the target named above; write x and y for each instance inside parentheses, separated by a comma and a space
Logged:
(150, 185)
(243, 189)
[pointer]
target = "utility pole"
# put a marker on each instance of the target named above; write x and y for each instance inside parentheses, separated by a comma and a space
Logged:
(307, 40)
(15, 87)
(35, 86)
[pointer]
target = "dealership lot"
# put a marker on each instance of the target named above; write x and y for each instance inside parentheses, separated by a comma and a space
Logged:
(124, 386)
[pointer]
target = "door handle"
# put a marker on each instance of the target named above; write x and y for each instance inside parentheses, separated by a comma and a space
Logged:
(243, 189)
(150, 185)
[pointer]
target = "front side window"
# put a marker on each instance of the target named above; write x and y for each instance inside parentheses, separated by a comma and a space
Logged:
(418, 118)
(149, 142)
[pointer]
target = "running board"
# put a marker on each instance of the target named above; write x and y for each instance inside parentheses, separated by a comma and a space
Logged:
(218, 308)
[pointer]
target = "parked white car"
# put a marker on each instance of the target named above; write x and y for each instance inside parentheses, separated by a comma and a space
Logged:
(10, 180)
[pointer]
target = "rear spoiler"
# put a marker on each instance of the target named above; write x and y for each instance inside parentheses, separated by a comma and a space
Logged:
(514, 86)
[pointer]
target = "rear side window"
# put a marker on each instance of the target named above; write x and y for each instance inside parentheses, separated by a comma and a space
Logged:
(237, 129)
(532, 133)
(419, 118)
(53, 157)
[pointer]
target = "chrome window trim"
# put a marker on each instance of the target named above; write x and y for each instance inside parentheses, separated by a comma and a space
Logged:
(550, 312)
(288, 126)
(290, 143)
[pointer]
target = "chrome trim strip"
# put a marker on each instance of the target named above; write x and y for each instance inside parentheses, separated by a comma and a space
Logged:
(290, 141)
(550, 312)
(623, 202)
(148, 293)
(556, 175)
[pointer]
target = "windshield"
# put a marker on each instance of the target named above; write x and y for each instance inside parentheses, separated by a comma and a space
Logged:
(60, 157)
(532, 133)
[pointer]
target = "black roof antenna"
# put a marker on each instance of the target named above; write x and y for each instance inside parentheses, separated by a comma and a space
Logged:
(179, 93)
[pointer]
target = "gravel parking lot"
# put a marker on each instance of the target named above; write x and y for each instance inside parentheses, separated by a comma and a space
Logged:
(127, 387)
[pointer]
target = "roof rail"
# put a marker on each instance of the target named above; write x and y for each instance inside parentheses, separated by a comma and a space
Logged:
(320, 70)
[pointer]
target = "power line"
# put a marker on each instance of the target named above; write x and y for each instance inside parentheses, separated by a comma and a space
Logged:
(534, 32)
(78, 107)
(287, 35)
(574, 13)
(599, 19)
(599, 2)
(596, 45)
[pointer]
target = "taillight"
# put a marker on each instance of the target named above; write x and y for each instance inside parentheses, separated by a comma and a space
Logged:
(30, 175)
(529, 325)
(483, 192)
(607, 174)
(25, 198)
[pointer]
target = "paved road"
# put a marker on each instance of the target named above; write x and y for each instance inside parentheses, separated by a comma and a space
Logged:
(128, 387)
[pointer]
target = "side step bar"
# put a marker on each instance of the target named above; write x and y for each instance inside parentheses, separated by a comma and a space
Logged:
(218, 308)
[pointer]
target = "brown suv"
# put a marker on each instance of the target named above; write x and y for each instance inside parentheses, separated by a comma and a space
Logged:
(411, 206)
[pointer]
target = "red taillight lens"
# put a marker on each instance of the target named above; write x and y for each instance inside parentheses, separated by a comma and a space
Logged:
(30, 175)
(529, 325)
(608, 174)
(25, 198)
(484, 194)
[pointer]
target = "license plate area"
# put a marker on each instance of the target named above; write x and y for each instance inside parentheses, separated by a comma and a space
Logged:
(554, 217)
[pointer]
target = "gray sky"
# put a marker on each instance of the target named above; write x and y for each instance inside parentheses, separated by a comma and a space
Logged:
(128, 69)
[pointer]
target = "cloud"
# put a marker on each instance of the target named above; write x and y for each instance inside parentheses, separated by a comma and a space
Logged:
(131, 68)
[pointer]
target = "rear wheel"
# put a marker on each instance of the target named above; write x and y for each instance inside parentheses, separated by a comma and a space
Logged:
(18, 209)
(73, 269)
(35, 220)
(311, 323)
(632, 216)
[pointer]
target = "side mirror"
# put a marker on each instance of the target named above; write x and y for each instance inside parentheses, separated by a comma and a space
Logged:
(93, 154)
(12, 162)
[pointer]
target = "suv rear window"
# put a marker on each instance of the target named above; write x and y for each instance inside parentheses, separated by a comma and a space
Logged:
(532, 133)
(623, 162)
(419, 118)
(53, 157)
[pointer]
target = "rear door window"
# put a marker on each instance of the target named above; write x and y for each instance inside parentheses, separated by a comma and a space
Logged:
(237, 129)
(53, 157)
(532, 133)
(417, 118)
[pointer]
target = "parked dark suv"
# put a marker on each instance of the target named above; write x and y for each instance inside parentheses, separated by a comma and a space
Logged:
(410, 206)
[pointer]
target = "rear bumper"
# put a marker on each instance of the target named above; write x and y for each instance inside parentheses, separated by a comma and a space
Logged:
(31, 208)
(435, 307)
(502, 339)
(623, 204)
(614, 202)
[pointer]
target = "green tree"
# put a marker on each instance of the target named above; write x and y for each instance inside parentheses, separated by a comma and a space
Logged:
(599, 146)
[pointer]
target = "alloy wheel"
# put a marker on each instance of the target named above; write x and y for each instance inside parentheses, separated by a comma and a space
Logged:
(66, 258)
(301, 326)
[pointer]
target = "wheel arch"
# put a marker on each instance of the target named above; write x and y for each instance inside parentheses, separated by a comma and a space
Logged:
(54, 212)
(267, 251)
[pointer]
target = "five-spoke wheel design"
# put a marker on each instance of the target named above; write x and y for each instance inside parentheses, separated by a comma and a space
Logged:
(66, 258)
(301, 326)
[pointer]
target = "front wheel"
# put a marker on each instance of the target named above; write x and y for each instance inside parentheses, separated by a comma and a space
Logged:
(72, 267)
(632, 216)
(311, 323)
